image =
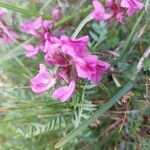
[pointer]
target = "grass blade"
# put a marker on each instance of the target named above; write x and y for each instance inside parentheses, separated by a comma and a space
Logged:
(22, 10)
(129, 40)
(95, 115)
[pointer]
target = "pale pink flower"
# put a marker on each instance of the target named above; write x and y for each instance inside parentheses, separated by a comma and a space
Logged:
(12, 36)
(30, 50)
(132, 6)
(56, 13)
(31, 27)
(43, 81)
(64, 93)
(99, 13)
(2, 13)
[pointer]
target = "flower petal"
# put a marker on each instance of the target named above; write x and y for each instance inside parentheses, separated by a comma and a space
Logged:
(64, 93)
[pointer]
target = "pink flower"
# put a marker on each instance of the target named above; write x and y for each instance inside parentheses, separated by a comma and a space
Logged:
(31, 27)
(46, 24)
(120, 17)
(101, 68)
(43, 81)
(99, 13)
(2, 13)
(85, 66)
(89, 67)
(56, 13)
(7, 34)
(116, 11)
(48, 41)
(71, 55)
(74, 47)
(65, 49)
(64, 93)
(132, 6)
(30, 50)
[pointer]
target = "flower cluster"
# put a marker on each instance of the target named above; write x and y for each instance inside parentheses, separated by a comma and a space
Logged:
(6, 32)
(70, 57)
(115, 9)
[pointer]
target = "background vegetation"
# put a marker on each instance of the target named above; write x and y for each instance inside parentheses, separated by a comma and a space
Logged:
(35, 122)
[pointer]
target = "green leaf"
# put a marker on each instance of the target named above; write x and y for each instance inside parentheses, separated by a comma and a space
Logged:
(98, 33)
(22, 10)
(95, 115)
(130, 38)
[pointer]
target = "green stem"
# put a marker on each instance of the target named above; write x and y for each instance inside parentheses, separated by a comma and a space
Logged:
(36, 14)
(22, 10)
(95, 115)
(81, 25)
(70, 18)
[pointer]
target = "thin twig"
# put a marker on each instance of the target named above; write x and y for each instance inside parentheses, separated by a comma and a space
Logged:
(140, 64)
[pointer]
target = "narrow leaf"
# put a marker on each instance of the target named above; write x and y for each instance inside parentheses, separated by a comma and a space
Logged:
(22, 10)
(130, 38)
(95, 115)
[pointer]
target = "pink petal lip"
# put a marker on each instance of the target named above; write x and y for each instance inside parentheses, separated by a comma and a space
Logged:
(43, 81)
(56, 13)
(132, 6)
(31, 27)
(31, 52)
(99, 13)
(64, 93)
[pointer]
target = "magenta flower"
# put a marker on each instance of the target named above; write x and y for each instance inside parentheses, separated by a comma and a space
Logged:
(30, 50)
(116, 11)
(132, 6)
(56, 13)
(101, 68)
(71, 55)
(43, 81)
(31, 27)
(74, 47)
(62, 51)
(89, 67)
(99, 13)
(64, 93)
(54, 56)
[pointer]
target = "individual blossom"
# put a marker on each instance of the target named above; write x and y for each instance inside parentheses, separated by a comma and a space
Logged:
(7, 34)
(31, 51)
(2, 13)
(43, 81)
(31, 27)
(101, 68)
(91, 68)
(132, 6)
(40, 29)
(74, 47)
(99, 13)
(64, 49)
(116, 10)
(119, 9)
(64, 93)
(56, 13)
